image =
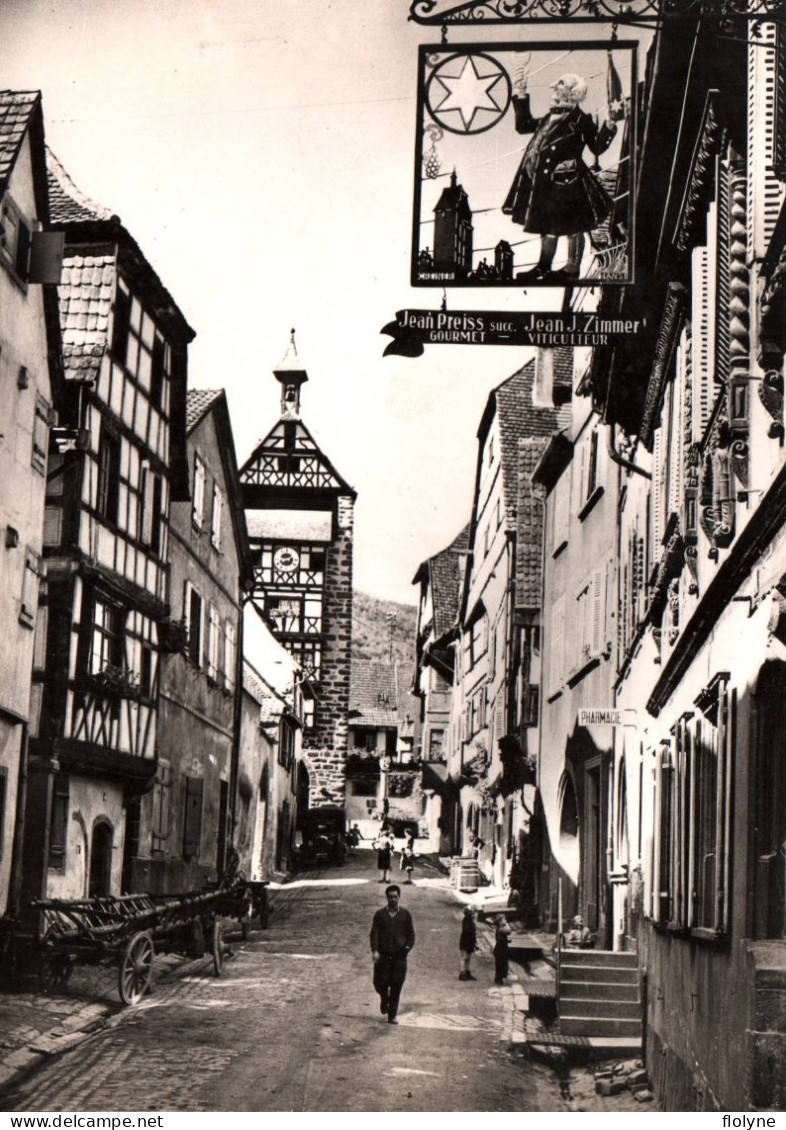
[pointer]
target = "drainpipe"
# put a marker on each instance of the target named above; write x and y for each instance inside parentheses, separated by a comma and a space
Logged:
(619, 459)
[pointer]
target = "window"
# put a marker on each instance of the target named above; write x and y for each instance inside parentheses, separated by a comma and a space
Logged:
(285, 612)
(40, 434)
(192, 615)
(589, 484)
(589, 622)
(476, 638)
(14, 239)
(286, 744)
(436, 744)
(150, 509)
(58, 822)
(692, 854)
(106, 642)
(108, 496)
(230, 656)
(192, 817)
(213, 637)
(197, 512)
(120, 325)
(559, 512)
(308, 713)
(29, 605)
(215, 522)
(158, 371)
(162, 800)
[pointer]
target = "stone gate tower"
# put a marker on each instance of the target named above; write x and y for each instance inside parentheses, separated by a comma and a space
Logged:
(300, 514)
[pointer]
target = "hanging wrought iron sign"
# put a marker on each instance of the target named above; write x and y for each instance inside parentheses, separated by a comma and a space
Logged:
(524, 172)
(443, 12)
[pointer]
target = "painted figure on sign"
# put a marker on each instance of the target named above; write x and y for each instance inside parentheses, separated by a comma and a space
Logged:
(554, 193)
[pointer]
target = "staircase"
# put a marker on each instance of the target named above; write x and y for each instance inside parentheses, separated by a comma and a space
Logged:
(599, 994)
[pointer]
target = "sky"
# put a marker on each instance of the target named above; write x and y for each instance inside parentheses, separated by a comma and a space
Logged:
(261, 152)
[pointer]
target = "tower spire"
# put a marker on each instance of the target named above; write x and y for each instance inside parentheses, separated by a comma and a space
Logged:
(291, 374)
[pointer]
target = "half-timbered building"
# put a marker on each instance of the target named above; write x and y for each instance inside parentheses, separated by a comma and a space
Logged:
(119, 464)
(30, 391)
(300, 515)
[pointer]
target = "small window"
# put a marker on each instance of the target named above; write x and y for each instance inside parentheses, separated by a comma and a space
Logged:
(158, 371)
(198, 508)
(218, 509)
(120, 324)
(436, 744)
(192, 822)
(108, 497)
(192, 614)
(58, 822)
(150, 509)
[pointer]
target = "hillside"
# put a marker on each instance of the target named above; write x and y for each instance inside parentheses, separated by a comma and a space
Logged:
(371, 632)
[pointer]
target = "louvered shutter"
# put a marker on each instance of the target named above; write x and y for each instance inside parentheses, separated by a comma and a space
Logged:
(657, 493)
(764, 129)
(703, 359)
(598, 592)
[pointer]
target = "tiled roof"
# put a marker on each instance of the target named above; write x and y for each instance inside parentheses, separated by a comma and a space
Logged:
(16, 108)
(445, 571)
(373, 686)
(271, 705)
(198, 403)
(529, 540)
(86, 291)
(518, 418)
(374, 717)
(67, 202)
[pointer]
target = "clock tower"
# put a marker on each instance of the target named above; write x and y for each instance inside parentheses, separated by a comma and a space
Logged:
(299, 512)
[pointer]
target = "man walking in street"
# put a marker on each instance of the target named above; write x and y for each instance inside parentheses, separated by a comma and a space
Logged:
(392, 937)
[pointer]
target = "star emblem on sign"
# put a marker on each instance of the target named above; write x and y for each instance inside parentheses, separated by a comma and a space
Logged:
(468, 93)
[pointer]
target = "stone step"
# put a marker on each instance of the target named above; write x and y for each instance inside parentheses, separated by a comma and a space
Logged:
(608, 1010)
(598, 990)
(600, 957)
(599, 1026)
(622, 976)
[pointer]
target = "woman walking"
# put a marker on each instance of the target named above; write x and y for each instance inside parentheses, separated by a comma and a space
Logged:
(501, 940)
(384, 845)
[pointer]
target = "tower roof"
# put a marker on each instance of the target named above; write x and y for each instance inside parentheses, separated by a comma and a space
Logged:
(290, 363)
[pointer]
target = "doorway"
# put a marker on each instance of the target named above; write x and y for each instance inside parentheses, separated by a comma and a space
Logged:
(100, 882)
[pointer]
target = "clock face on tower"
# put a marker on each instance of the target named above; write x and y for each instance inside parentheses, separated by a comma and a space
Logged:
(286, 559)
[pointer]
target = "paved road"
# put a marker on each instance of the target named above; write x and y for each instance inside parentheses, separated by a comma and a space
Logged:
(294, 1023)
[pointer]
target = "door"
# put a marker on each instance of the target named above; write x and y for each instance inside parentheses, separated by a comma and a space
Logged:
(100, 860)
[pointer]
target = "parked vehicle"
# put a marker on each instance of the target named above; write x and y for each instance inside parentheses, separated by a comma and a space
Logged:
(320, 838)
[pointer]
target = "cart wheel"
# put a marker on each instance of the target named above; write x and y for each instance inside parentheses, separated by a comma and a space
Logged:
(219, 947)
(136, 968)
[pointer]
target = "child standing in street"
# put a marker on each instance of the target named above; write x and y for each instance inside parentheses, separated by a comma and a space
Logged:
(468, 943)
(501, 940)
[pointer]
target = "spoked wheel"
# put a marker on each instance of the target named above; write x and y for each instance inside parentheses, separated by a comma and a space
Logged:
(219, 948)
(136, 968)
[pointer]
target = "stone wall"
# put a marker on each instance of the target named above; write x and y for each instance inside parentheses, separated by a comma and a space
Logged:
(326, 742)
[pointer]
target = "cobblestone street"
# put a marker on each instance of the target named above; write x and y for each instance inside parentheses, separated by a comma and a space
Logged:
(294, 1023)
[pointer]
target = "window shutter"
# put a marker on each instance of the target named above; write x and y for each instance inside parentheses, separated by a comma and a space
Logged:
(765, 133)
(46, 256)
(701, 344)
(199, 492)
(213, 632)
(192, 824)
(22, 264)
(598, 644)
(147, 486)
(218, 509)
(230, 657)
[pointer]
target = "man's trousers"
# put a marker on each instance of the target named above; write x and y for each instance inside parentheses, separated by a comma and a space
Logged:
(390, 972)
